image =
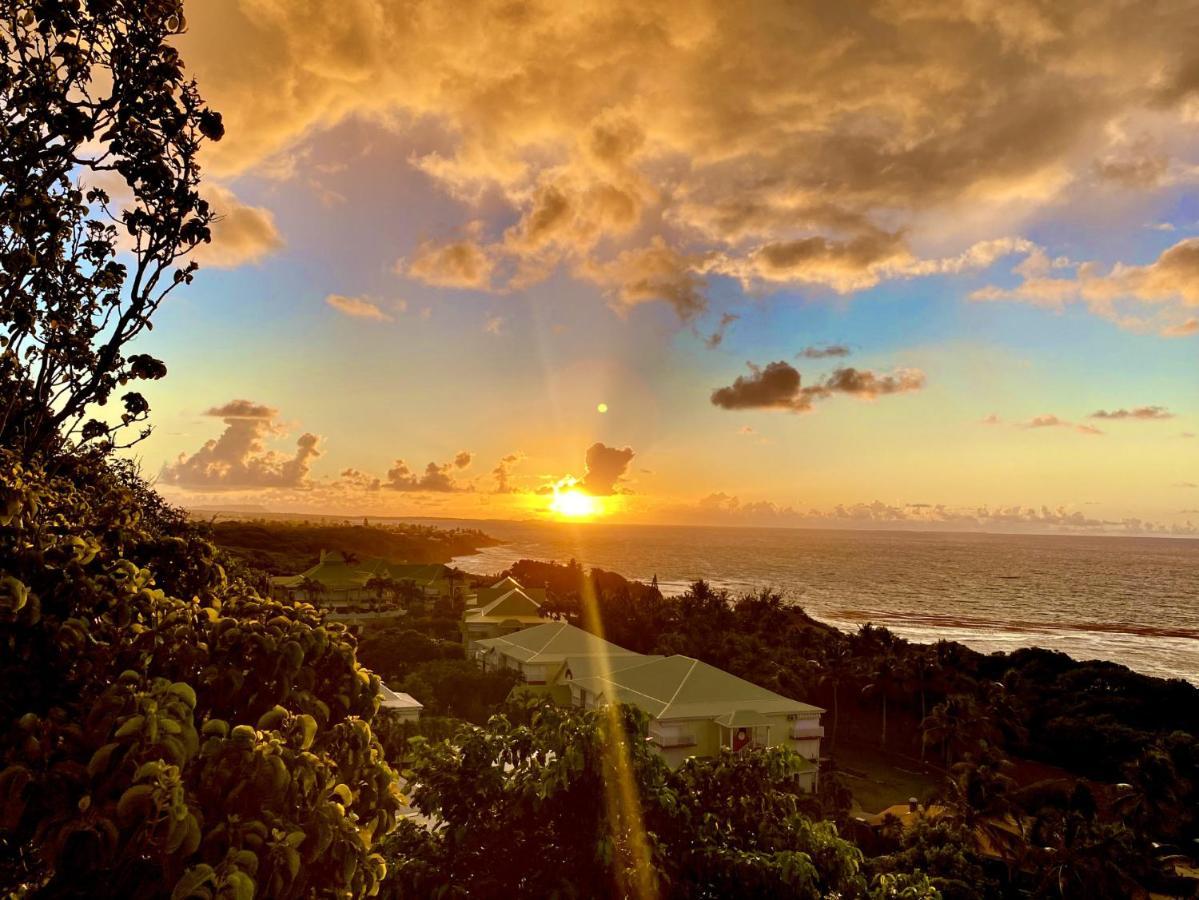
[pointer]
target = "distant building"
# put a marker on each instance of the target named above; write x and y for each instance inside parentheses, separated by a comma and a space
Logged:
(402, 707)
(501, 609)
(695, 709)
(364, 592)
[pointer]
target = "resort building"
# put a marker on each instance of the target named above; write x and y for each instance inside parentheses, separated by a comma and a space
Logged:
(360, 593)
(694, 709)
(400, 706)
(502, 609)
(551, 654)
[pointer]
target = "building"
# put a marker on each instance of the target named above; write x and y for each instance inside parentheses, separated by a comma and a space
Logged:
(550, 655)
(400, 706)
(501, 609)
(694, 709)
(359, 593)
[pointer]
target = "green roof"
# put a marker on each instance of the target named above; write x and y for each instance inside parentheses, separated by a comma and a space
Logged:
(514, 603)
(679, 687)
(744, 718)
(338, 575)
(553, 642)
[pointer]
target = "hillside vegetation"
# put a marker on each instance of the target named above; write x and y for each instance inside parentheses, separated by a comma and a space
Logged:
(282, 547)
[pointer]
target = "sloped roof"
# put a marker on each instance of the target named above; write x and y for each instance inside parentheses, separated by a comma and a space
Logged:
(397, 700)
(583, 667)
(514, 603)
(679, 687)
(553, 642)
(744, 718)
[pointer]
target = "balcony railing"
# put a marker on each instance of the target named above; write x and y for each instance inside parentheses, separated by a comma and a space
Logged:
(805, 731)
(672, 740)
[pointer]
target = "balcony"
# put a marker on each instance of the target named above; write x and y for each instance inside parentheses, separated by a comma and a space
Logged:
(806, 731)
(665, 739)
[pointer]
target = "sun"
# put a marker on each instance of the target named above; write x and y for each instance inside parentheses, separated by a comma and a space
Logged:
(574, 504)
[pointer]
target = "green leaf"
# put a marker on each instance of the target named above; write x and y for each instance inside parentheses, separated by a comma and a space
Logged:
(192, 880)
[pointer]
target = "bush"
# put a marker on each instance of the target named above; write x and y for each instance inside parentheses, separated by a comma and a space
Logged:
(163, 731)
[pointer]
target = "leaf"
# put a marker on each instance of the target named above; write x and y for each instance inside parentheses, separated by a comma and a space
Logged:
(192, 880)
(307, 730)
(185, 692)
(132, 725)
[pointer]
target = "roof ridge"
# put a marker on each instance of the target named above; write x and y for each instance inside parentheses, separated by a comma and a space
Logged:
(679, 689)
(561, 625)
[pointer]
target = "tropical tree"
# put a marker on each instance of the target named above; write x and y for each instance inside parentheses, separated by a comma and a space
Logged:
(1152, 799)
(958, 725)
(101, 134)
(382, 586)
(577, 802)
(312, 589)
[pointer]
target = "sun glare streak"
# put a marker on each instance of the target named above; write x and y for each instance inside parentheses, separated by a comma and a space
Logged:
(632, 859)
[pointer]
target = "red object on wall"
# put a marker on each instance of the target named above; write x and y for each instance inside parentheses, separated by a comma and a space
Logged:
(740, 739)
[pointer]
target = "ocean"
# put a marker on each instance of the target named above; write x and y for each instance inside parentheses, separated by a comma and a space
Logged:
(1130, 600)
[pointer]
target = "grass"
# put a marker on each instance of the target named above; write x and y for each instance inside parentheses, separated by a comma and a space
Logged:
(879, 779)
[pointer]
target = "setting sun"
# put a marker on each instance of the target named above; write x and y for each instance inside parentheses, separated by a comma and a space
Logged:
(574, 504)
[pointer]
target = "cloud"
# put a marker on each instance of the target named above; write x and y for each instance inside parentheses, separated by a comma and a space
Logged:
(774, 386)
(716, 338)
(891, 115)
(778, 386)
(457, 264)
(823, 352)
(606, 468)
(503, 473)
(1151, 297)
(494, 325)
(241, 233)
(721, 507)
(1140, 412)
(353, 478)
(437, 478)
(1139, 165)
(238, 459)
(655, 272)
(991, 419)
(357, 307)
(462, 459)
(1051, 421)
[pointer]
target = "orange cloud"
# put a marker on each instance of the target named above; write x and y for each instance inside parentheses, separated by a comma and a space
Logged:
(777, 143)
(357, 307)
(241, 234)
(238, 459)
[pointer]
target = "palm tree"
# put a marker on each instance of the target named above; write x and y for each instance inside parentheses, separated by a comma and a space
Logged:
(835, 670)
(410, 593)
(1151, 801)
(958, 725)
(885, 678)
(312, 589)
(978, 791)
(382, 585)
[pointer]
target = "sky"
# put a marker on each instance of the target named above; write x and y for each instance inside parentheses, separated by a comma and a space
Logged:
(897, 264)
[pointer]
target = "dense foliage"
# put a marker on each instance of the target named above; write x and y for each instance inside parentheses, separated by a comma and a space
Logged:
(164, 729)
(524, 809)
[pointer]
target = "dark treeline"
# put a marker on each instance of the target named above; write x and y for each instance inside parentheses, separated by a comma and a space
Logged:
(287, 548)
